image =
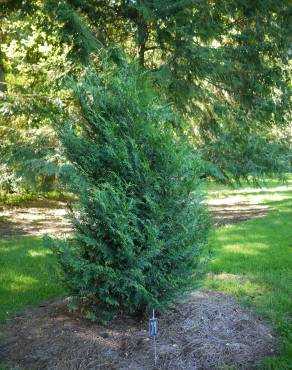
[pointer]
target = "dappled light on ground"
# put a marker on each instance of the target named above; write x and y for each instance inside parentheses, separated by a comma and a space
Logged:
(242, 204)
(34, 218)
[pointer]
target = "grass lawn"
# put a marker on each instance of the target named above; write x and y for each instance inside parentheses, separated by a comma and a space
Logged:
(253, 262)
(26, 274)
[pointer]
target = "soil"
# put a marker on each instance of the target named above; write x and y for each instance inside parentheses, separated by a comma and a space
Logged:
(224, 214)
(41, 217)
(35, 218)
(206, 331)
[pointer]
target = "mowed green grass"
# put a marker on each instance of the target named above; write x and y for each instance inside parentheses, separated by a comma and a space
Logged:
(27, 276)
(253, 262)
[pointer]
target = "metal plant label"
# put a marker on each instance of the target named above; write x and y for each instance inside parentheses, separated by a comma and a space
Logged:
(153, 330)
(153, 327)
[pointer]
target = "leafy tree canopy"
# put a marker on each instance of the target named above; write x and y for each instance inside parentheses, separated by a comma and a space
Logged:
(224, 65)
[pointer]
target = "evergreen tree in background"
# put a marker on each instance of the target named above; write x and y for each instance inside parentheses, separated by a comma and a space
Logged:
(139, 222)
(225, 65)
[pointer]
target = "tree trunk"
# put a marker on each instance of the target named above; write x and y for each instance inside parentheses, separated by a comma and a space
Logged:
(3, 86)
(142, 39)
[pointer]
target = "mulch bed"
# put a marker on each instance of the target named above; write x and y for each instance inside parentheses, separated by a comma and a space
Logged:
(208, 330)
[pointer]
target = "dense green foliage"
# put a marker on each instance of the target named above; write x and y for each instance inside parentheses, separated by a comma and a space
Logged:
(139, 222)
(225, 65)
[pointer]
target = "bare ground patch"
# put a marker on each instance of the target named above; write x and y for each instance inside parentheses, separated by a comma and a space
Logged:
(225, 212)
(40, 217)
(34, 218)
(207, 331)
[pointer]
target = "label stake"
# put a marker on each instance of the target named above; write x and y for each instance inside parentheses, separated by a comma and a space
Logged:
(153, 329)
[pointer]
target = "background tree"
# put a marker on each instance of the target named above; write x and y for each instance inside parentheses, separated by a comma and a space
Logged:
(35, 64)
(224, 65)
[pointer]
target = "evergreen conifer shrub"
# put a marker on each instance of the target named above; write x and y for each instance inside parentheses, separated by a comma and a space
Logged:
(139, 223)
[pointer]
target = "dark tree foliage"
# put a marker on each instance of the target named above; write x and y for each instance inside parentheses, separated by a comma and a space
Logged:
(224, 64)
(139, 222)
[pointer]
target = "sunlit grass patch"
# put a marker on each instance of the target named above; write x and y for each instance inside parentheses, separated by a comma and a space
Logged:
(26, 274)
(253, 261)
(248, 192)
(21, 198)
